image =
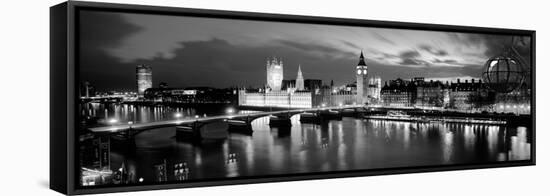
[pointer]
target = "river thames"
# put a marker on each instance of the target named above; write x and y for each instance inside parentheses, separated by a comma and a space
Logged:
(349, 144)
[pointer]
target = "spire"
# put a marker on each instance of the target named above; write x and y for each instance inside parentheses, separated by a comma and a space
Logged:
(361, 60)
(299, 79)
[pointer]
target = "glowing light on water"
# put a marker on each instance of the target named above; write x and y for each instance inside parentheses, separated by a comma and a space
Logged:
(113, 121)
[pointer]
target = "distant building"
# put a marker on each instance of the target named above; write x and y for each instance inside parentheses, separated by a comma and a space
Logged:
(161, 174)
(467, 95)
(398, 93)
(280, 99)
(288, 85)
(87, 90)
(312, 84)
(144, 78)
(362, 83)
(429, 94)
(373, 90)
(517, 101)
(163, 85)
(191, 95)
(296, 93)
(274, 68)
(329, 97)
(308, 93)
(95, 153)
(300, 80)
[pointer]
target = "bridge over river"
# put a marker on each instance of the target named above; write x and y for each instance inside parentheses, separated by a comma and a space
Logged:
(190, 128)
(235, 122)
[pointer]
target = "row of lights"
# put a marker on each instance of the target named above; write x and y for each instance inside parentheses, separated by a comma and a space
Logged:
(515, 106)
(177, 115)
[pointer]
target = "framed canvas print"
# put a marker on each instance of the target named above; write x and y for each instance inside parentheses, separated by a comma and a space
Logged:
(147, 97)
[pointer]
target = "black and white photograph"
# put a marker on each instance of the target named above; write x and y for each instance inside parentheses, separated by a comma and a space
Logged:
(274, 97)
(174, 99)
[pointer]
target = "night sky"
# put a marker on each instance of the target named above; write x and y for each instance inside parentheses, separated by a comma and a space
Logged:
(189, 51)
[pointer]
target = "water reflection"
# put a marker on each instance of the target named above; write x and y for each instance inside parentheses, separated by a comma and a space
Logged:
(348, 144)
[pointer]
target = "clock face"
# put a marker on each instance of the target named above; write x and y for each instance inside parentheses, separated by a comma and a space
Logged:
(358, 71)
(365, 72)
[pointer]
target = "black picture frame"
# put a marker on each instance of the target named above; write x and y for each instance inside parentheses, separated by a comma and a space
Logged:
(64, 93)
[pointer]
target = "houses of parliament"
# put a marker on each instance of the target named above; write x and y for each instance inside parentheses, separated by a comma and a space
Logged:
(308, 93)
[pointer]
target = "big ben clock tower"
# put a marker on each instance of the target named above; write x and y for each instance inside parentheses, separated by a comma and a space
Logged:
(362, 82)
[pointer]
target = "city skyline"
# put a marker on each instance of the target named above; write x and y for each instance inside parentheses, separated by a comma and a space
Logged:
(235, 53)
(175, 99)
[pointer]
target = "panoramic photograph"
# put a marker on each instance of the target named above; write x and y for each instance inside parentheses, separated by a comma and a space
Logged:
(176, 99)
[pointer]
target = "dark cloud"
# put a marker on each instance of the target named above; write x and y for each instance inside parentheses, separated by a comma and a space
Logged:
(430, 49)
(309, 47)
(411, 61)
(390, 72)
(100, 31)
(409, 54)
(218, 63)
(496, 44)
(410, 57)
(449, 61)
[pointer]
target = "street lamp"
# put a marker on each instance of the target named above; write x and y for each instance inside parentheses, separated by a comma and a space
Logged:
(230, 111)
(177, 115)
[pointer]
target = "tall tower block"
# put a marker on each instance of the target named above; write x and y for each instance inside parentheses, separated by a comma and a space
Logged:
(274, 69)
(299, 79)
(362, 81)
(144, 78)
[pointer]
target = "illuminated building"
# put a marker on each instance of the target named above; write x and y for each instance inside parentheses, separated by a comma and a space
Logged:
(374, 88)
(95, 161)
(161, 174)
(463, 95)
(303, 93)
(331, 97)
(281, 93)
(276, 99)
(299, 80)
(144, 78)
(362, 83)
(518, 101)
(398, 93)
(95, 153)
(190, 95)
(274, 70)
(429, 94)
(181, 171)
(91, 177)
